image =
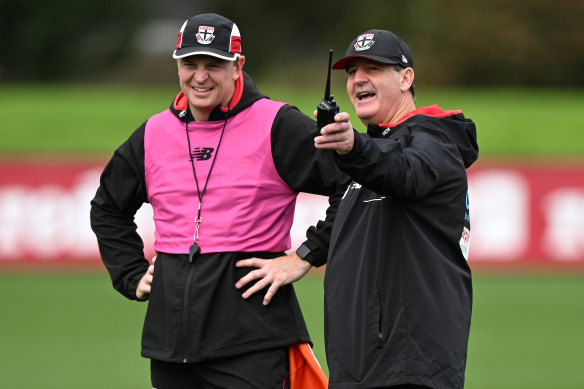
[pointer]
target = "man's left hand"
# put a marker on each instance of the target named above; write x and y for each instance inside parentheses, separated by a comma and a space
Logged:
(274, 272)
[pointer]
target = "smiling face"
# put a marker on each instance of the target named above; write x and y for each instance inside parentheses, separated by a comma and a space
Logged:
(378, 92)
(207, 82)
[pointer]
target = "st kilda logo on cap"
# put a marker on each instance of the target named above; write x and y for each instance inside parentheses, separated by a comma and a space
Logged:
(205, 35)
(364, 42)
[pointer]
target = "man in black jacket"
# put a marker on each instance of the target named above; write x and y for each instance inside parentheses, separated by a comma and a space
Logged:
(398, 290)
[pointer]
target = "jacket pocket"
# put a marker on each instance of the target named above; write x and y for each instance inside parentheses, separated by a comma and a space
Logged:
(162, 322)
(375, 318)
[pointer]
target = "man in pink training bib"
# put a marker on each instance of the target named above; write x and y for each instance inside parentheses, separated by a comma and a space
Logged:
(222, 168)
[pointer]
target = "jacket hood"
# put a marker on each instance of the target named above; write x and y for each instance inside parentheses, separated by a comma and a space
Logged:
(460, 130)
(246, 93)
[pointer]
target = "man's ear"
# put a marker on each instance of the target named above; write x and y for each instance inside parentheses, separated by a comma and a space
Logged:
(407, 79)
(239, 65)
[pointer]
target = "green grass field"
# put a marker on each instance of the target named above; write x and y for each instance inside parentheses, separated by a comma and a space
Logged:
(93, 120)
(71, 329)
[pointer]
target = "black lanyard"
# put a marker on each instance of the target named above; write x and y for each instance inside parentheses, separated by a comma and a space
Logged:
(195, 249)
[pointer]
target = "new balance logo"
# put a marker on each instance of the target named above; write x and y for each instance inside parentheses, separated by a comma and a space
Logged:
(202, 153)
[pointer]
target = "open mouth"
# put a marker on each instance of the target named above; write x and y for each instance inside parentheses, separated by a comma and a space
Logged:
(365, 95)
(202, 90)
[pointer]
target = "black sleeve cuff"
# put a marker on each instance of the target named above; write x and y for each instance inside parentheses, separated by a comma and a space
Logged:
(311, 256)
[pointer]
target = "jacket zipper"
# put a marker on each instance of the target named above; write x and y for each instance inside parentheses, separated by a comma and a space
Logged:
(185, 319)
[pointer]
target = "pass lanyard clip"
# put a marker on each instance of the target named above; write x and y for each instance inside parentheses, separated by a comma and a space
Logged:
(195, 249)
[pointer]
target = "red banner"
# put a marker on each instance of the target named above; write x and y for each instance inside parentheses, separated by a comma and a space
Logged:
(520, 215)
(527, 214)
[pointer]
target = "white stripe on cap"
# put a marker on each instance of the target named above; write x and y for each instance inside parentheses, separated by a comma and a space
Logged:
(234, 32)
(182, 29)
(207, 53)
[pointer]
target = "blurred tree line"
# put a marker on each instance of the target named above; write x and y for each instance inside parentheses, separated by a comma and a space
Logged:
(455, 42)
(66, 39)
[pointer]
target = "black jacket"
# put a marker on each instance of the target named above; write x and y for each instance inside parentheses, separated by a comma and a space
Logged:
(398, 291)
(195, 313)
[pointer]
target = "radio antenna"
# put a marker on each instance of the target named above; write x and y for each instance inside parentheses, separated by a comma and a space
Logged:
(327, 90)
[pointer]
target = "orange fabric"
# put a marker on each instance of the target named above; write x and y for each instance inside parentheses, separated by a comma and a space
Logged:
(305, 371)
(236, 94)
(181, 103)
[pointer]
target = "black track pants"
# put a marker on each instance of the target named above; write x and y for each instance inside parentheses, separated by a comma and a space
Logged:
(258, 370)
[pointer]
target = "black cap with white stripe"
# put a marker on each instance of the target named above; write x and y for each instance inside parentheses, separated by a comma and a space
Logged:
(209, 34)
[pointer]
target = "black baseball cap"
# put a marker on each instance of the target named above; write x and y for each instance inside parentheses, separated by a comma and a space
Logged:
(378, 45)
(208, 34)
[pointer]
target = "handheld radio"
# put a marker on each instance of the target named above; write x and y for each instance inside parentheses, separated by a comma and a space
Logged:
(328, 108)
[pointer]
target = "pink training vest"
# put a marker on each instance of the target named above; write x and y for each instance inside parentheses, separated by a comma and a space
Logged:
(246, 207)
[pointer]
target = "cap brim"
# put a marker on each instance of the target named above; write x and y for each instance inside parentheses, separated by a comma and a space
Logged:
(342, 63)
(190, 51)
